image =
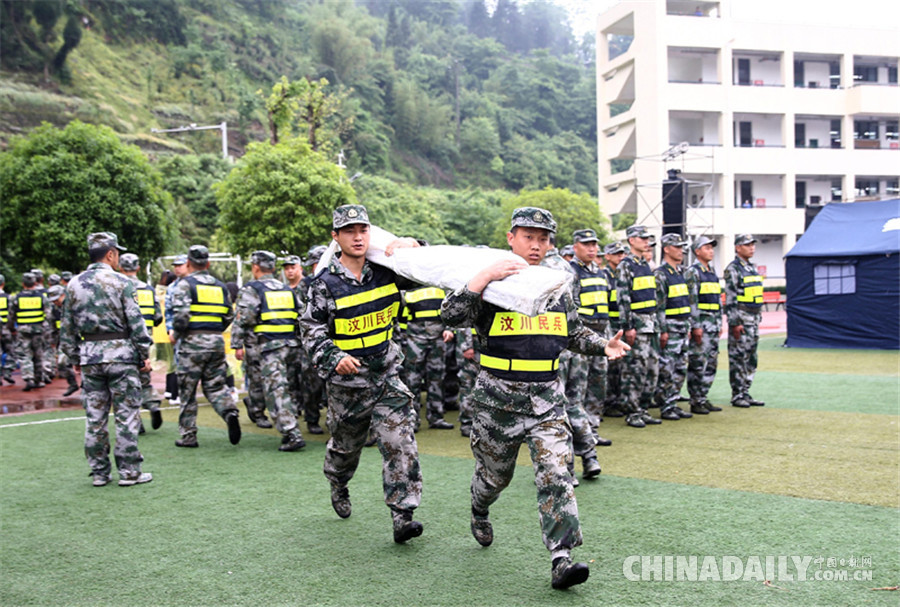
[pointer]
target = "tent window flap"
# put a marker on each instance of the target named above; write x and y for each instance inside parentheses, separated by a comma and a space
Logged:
(835, 278)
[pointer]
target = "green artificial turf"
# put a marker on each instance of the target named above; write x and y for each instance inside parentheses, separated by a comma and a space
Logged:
(248, 525)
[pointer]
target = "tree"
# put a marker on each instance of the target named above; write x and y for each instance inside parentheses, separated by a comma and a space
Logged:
(189, 179)
(307, 103)
(280, 198)
(61, 185)
(571, 212)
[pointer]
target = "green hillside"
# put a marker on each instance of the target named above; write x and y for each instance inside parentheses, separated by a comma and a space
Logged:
(435, 93)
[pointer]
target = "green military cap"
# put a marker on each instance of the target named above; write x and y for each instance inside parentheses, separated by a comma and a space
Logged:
(584, 236)
(651, 240)
(67, 276)
(291, 260)
(198, 254)
(614, 248)
(533, 217)
(53, 279)
(672, 240)
(567, 250)
(28, 279)
(108, 240)
(179, 260)
(38, 273)
(129, 262)
(2, 279)
(315, 254)
(704, 240)
(744, 239)
(54, 292)
(264, 259)
(349, 214)
(637, 232)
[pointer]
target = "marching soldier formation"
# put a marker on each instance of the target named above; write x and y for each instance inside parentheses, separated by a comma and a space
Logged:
(365, 344)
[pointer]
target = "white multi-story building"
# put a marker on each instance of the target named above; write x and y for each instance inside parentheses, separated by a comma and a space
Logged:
(763, 121)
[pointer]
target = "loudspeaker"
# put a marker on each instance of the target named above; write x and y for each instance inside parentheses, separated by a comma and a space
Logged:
(673, 201)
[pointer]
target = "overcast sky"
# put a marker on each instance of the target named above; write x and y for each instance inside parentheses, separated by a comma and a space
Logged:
(880, 14)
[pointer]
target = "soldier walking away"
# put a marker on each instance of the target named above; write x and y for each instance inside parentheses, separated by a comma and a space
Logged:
(130, 265)
(7, 340)
(425, 339)
(268, 309)
(673, 312)
(347, 329)
(180, 270)
(743, 307)
(56, 295)
(201, 311)
(29, 314)
(104, 336)
(706, 325)
(636, 291)
(311, 389)
(518, 396)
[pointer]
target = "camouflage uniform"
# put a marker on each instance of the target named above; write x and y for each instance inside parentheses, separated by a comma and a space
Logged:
(350, 316)
(637, 310)
(7, 340)
(673, 316)
(103, 331)
(743, 307)
(29, 316)
(706, 314)
(201, 348)
(512, 405)
(468, 371)
(47, 370)
(612, 405)
(424, 363)
(63, 367)
(251, 366)
(312, 388)
(152, 313)
(267, 308)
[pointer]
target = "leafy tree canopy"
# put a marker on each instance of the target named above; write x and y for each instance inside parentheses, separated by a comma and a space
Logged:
(280, 198)
(61, 185)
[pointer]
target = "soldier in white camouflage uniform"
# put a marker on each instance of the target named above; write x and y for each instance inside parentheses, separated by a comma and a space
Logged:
(518, 396)
(130, 265)
(347, 329)
(201, 311)
(29, 314)
(103, 334)
(56, 295)
(268, 309)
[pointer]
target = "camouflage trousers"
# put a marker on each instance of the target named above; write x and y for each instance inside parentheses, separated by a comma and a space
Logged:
(253, 381)
(150, 398)
(742, 355)
(639, 372)
(210, 370)
(113, 386)
(386, 409)
(65, 370)
(672, 370)
(312, 389)
(468, 371)
(280, 387)
(30, 355)
(573, 370)
(613, 385)
(48, 369)
(703, 360)
(7, 347)
(424, 365)
(496, 438)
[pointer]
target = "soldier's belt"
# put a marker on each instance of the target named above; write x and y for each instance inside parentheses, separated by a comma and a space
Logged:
(518, 364)
(105, 336)
(751, 309)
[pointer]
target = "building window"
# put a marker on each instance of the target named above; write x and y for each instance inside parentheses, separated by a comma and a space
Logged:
(836, 190)
(865, 73)
(834, 279)
(892, 187)
(865, 129)
(891, 131)
(866, 187)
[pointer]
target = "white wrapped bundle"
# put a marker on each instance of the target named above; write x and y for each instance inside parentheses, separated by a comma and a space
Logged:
(529, 292)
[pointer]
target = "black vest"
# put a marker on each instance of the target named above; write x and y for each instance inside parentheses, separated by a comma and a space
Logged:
(750, 287)
(424, 303)
(30, 307)
(678, 303)
(643, 287)
(613, 294)
(278, 312)
(709, 291)
(363, 320)
(209, 305)
(593, 300)
(4, 308)
(147, 303)
(526, 348)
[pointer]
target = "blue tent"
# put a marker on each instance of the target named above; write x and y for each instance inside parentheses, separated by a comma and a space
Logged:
(843, 278)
